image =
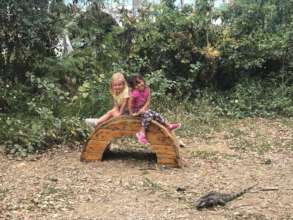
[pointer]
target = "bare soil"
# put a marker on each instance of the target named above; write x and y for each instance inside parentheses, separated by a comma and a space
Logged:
(129, 185)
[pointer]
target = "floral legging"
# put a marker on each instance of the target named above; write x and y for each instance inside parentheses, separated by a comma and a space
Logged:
(150, 115)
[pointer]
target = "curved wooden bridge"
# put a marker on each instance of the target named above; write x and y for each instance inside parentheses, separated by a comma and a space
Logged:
(162, 142)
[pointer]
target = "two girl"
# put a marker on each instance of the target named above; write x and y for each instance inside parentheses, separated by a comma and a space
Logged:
(138, 101)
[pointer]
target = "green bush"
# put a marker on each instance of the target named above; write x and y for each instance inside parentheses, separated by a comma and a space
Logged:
(256, 98)
(22, 136)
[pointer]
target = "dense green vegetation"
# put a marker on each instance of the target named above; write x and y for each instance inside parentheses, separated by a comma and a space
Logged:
(236, 59)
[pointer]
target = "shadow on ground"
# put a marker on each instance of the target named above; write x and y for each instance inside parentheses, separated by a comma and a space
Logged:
(130, 155)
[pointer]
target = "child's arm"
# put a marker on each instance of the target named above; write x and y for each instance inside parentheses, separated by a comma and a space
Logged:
(130, 101)
(122, 107)
(115, 107)
(146, 105)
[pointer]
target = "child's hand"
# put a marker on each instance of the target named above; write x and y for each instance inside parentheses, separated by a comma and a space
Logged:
(135, 114)
(141, 111)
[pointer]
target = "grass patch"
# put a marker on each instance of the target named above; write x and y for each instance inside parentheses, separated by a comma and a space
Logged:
(205, 155)
(151, 185)
(3, 193)
(197, 120)
(254, 134)
(260, 135)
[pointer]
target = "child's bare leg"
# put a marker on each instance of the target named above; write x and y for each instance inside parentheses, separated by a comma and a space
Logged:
(116, 113)
(112, 113)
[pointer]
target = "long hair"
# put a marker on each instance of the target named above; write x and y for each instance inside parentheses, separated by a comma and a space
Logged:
(118, 76)
(133, 81)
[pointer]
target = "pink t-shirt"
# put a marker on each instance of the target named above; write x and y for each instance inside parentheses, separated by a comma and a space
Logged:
(139, 98)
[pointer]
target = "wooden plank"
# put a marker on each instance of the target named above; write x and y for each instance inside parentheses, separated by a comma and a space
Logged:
(96, 145)
(154, 128)
(126, 125)
(109, 134)
(163, 147)
(118, 123)
(90, 157)
(168, 162)
(94, 150)
(92, 145)
(158, 128)
(167, 153)
(156, 125)
(122, 120)
(159, 139)
(165, 156)
(131, 123)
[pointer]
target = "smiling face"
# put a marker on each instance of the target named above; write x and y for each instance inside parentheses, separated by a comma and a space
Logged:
(140, 85)
(118, 86)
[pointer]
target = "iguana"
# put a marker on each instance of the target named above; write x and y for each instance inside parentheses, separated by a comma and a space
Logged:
(215, 198)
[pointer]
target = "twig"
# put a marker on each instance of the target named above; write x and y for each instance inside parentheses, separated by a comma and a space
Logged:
(269, 189)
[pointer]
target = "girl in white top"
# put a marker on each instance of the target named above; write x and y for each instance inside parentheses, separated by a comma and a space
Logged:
(120, 93)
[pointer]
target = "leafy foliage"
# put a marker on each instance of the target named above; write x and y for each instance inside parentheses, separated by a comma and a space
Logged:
(42, 97)
(28, 34)
(236, 61)
(22, 136)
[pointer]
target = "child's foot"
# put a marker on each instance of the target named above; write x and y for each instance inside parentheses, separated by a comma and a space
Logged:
(174, 126)
(141, 138)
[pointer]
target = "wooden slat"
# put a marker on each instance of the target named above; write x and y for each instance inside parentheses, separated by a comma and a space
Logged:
(163, 147)
(94, 150)
(122, 120)
(108, 134)
(157, 126)
(132, 126)
(91, 157)
(154, 128)
(166, 156)
(159, 139)
(167, 153)
(97, 145)
(168, 161)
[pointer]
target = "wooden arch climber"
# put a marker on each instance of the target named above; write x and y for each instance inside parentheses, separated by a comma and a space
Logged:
(162, 142)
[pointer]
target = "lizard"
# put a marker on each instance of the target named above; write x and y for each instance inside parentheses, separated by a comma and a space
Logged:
(212, 199)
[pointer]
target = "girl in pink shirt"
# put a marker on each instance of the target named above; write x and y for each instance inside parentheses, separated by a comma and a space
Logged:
(138, 105)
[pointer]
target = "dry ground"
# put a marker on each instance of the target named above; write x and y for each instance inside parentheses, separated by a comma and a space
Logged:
(128, 184)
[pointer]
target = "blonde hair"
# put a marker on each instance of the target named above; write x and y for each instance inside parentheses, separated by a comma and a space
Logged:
(118, 76)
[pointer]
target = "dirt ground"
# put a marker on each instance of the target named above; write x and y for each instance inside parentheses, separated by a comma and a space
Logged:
(129, 185)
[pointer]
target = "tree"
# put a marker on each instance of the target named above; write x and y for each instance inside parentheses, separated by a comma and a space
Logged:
(28, 33)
